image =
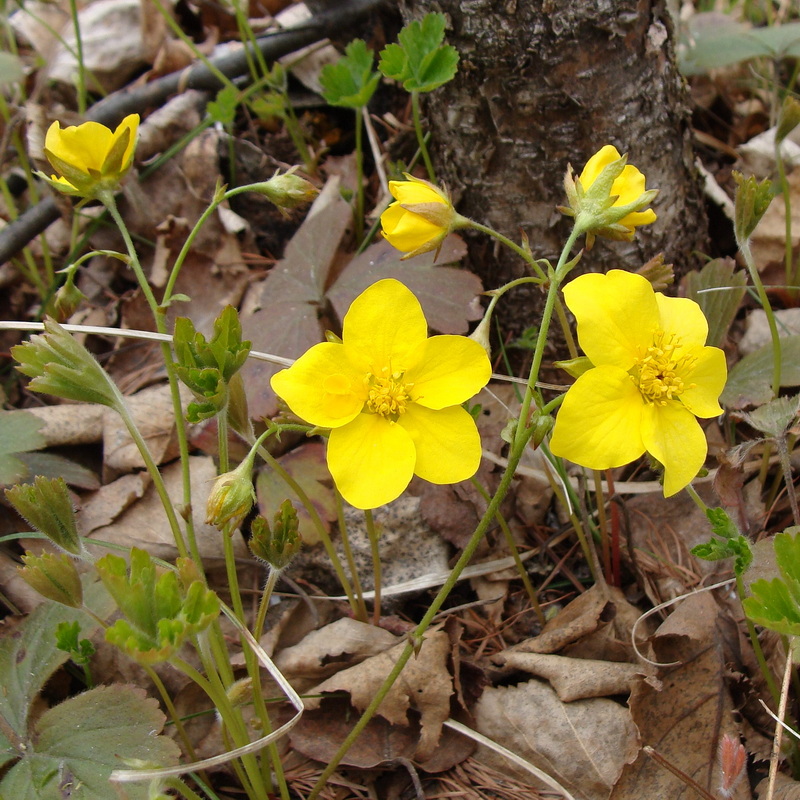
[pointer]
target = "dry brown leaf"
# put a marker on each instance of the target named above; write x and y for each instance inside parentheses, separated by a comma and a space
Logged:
(424, 685)
(69, 423)
(576, 678)
(152, 412)
(330, 649)
(785, 788)
(102, 507)
(583, 745)
(685, 721)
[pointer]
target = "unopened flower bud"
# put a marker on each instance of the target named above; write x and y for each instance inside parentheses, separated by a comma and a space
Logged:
(609, 198)
(752, 201)
(288, 190)
(66, 299)
(788, 118)
(232, 497)
(280, 544)
(54, 577)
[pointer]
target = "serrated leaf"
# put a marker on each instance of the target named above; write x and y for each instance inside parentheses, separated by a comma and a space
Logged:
(771, 605)
(750, 381)
(449, 296)
(774, 418)
(721, 523)
(350, 82)
(78, 743)
(223, 108)
(718, 289)
(419, 61)
(306, 464)
(29, 656)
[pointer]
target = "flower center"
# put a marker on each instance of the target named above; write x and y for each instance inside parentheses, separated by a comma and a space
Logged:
(658, 374)
(388, 396)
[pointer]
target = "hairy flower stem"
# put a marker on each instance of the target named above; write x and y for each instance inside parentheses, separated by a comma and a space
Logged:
(359, 173)
(420, 137)
(263, 605)
(374, 543)
(747, 254)
(514, 550)
(361, 614)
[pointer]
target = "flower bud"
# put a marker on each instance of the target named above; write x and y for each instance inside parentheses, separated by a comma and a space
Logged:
(752, 201)
(54, 577)
(287, 190)
(420, 218)
(232, 497)
(609, 198)
(788, 118)
(66, 299)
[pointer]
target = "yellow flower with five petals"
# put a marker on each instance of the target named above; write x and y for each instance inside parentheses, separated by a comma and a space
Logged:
(652, 375)
(91, 159)
(391, 397)
(420, 218)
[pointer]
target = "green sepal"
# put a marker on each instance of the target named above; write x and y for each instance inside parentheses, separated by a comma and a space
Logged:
(420, 62)
(62, 367)
(113, 166)
(350, 82)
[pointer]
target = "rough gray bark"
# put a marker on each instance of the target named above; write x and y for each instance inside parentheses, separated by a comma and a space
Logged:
(544, 83)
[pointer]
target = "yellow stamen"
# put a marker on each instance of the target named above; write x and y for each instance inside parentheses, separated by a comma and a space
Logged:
(659, 373)
(387, 397)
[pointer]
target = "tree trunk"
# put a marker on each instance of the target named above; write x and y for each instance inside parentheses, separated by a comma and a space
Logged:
(545, 83)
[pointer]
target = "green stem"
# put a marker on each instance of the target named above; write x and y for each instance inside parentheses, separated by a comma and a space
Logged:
(420, 137)
(263, 606)
(172, 711)
(514, 550)
(359, 173)
(182, 789)
(524, 254)
(744, 247)
(73, 11)
(787, 210)
(361, 614)
(374, 543)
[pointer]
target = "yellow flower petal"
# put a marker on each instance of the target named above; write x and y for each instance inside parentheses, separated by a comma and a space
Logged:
(383, 328)
(83, 146)
(415, 191)
(598, 425)
(637, 218)
(597, 163)
(407, 231)
(322, 387)
(450, 370)
(447, 442)
(616, 314)
(706, 382)
(684, 318)
(673, 436)
(628, 187)
(371, 460)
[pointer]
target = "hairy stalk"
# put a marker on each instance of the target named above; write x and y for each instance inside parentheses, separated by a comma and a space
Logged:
(361, 614)
(374, 543)
(420, 137)
(514, 550)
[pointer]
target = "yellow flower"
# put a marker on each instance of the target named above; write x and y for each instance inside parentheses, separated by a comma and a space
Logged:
(421, 217)
(609, 197)
(90, 158)
(652, 375)
(391, 396)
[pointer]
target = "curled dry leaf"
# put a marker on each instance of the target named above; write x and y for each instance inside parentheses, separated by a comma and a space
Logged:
(576, 678)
